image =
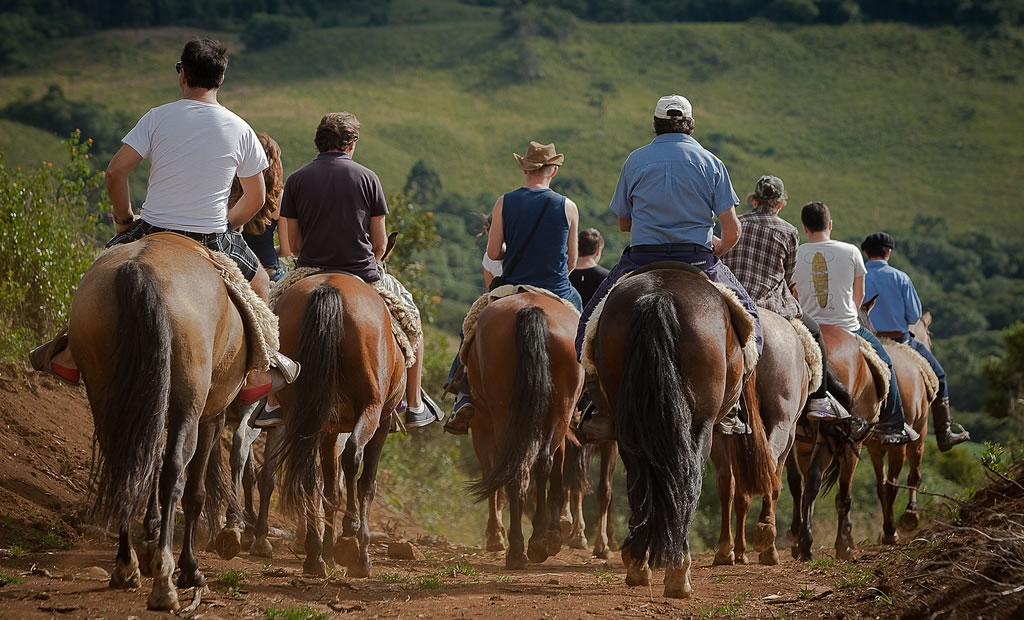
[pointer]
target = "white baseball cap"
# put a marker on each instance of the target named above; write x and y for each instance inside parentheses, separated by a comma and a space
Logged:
(673, 103)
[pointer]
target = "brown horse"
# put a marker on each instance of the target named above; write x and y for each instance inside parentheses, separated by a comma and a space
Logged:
(577, 484)
(749, 465)
(162, 349)
(833, 450)
(669, 363)
(525, 382)
(916, 403)
(353, 378)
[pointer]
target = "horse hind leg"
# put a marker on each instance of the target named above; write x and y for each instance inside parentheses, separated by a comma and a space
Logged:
(229, 540)
(677, 579)
(577, 535)
(911, 520)
(126, 569)
(537, 550)
(741, 502)
(885, 495)
(193, 500)
(726, 487)
(261, 546)
(605, 543)
(515, 557)
(367, 490)
(765, 532)
(845, 547)
(638, 571)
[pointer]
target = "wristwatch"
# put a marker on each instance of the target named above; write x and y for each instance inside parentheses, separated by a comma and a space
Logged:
(125, 221)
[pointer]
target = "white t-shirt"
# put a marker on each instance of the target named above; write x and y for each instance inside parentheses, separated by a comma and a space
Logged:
(491, 265)
(195, 150)
(824, 276)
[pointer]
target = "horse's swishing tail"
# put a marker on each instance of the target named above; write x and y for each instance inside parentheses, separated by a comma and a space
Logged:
(752, 462)
(656, 442)
(532, 387)
(130, 430)
(314, 390)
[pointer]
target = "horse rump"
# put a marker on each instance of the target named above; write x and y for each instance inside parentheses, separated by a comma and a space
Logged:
(532, 387)
(130, 422)
(663, 468)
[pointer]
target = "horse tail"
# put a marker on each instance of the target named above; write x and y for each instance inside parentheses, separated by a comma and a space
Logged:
(532, 387)
(129, 429)
(314, 393)
(663, 475)
(836, 440)
(752, 462)
(576, 476)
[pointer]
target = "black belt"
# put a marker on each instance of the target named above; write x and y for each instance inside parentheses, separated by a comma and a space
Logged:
(665, 248)
(202, 238)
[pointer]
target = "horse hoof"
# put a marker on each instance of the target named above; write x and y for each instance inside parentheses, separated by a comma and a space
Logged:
(195, 579)
(317, 567)
(537, 551)
(261, 548)
(229, 543)
(248, 538)
(604, 554)
(722, 559)
(554, 542)
(495, 544)
(740, 559)
(889, 539)
(578, 542)
(910, 521)
(769, 557)
(638, 576)
(515, 561)
(764, 537)
(681, 590)
(565, 525)
(361, 570)
(163, 601)
(346, 552)
(846, 555)
(126, 577)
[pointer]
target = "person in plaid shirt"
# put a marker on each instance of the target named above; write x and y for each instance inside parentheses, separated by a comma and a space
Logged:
(763, 261)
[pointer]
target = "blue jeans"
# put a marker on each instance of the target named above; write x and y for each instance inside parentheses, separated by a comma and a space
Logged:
(917, 345)
(891, 416)
(705, 261)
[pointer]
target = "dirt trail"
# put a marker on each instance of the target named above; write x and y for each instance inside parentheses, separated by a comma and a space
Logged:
(61, 561)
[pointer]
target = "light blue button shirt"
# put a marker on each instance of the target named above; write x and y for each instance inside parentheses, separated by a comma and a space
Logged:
(897, 305)
(672, 189)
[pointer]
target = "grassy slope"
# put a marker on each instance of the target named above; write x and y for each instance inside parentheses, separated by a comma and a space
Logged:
(884, 122)
(25, 147)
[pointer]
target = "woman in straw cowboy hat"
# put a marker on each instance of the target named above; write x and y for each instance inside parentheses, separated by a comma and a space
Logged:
(534, 233)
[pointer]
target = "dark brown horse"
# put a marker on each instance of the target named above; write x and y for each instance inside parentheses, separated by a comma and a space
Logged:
(669, 363)
(751, 465)
(577, 484)
(162, 349)
(828, 449)
(525, 382)
(917, 396)
(353, 377)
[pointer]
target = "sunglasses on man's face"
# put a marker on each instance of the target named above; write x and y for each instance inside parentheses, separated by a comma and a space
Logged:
(177, 67)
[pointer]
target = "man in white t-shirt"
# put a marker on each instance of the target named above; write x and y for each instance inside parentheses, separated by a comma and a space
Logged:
(196, 148)
(829, 283)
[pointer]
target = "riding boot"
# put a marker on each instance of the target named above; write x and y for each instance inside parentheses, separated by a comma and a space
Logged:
(462, 413)
(733, 422)
(42, 356)
(944, 433)
(282, 371)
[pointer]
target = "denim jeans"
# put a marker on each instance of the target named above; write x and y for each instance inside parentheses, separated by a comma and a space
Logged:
(891, 416)
(917, 345)
(705, 261)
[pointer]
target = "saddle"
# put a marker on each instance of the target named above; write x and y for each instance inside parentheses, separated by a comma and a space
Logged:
(506, 290)
(931, 381)
(261, 328)
(405, 325)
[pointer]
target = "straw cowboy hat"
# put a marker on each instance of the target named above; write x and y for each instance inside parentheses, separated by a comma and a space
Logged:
(539, 155)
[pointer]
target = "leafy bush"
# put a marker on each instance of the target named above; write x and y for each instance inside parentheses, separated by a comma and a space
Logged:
(264, 31)
(416, 232)
(48, 225)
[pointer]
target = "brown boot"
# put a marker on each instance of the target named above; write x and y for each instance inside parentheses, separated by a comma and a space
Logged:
(945, 435)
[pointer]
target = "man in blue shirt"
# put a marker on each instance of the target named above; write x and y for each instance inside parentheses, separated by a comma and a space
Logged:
(667, 197)
(896, 308)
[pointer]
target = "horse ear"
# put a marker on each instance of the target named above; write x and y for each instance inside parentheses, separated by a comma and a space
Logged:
(869, 304)
(392, 240)
(926, 318)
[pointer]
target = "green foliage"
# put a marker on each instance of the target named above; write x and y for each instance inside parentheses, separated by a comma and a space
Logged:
(529, 19)
(264, 31)
(232, 577)
(423, 185)
(304, 612)
(6, 579)
(460, 568)
(49, 220)
(1005, 376)
(392, 577)
(416, 233)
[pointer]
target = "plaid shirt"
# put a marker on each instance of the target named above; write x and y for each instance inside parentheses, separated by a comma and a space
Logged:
(763, 261)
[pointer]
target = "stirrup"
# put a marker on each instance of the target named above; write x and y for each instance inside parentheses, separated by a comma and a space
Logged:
(288, 367)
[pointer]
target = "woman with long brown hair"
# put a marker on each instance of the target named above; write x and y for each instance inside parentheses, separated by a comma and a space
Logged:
(259, 231)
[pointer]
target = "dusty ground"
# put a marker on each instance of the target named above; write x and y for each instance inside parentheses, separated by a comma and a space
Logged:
(53, 563)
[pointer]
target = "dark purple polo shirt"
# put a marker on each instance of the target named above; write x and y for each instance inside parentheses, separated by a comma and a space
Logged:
(333, 199)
